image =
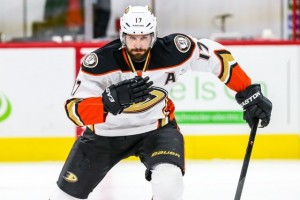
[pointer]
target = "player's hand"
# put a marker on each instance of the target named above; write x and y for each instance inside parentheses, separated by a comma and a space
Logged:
(255, 105)
(123, 94)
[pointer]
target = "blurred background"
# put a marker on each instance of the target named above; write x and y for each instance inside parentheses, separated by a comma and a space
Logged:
(42, 44)
(40, 20)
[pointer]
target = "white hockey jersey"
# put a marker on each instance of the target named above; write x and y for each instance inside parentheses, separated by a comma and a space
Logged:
(169, 58)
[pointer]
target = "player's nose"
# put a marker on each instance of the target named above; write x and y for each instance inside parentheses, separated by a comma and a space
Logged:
(137, 44)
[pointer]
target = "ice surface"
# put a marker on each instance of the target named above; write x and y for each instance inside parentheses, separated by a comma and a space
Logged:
(204, 180)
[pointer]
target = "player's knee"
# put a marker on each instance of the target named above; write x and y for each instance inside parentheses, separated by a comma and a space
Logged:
(58, 194)
(167, 182)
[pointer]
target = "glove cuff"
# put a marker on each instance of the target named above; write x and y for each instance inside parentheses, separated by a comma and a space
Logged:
(111, 101)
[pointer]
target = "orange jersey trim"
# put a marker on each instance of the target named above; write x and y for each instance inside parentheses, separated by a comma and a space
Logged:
(170, 107)
(91, 110)
(85, 111)
(238, 79)
(103, 74)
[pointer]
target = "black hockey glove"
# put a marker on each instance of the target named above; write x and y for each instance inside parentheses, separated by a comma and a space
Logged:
(123, 94)
(255, 105)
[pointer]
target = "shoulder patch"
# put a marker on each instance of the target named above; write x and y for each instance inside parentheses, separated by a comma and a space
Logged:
(90, 60)
(183, 43)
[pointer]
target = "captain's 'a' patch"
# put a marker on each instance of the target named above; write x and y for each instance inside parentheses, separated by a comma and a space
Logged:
(90, 60)
(182, 43)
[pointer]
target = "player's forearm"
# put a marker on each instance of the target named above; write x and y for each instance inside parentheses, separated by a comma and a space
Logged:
(230, 72)
(237, 80)
(86, 111)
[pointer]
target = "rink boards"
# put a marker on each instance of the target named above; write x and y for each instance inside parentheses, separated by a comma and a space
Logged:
(36, 79)
(279, 146)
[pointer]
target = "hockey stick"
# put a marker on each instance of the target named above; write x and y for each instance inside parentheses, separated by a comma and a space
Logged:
(246, 161)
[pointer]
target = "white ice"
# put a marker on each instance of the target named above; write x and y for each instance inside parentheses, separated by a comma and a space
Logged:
(204, 180)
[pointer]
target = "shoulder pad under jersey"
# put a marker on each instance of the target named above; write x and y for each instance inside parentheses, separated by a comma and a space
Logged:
(101, 60)
(171, 50)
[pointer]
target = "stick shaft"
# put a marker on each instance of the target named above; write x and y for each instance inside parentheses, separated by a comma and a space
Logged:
(246, 161)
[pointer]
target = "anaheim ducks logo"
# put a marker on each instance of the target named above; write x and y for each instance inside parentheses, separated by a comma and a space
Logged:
(182, 43)
(157, 95)
(90, 61)
(70, 177)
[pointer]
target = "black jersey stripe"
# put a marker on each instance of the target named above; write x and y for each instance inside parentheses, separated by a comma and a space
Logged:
(164, 54)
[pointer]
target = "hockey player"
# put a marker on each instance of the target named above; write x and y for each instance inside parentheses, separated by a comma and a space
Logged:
(121, 97)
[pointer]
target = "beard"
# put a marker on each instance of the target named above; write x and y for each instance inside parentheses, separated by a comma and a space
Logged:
(138, 55)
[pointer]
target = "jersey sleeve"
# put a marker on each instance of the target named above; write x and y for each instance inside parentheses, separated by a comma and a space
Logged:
(210, 56)
(85, 107)
(86, 111)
